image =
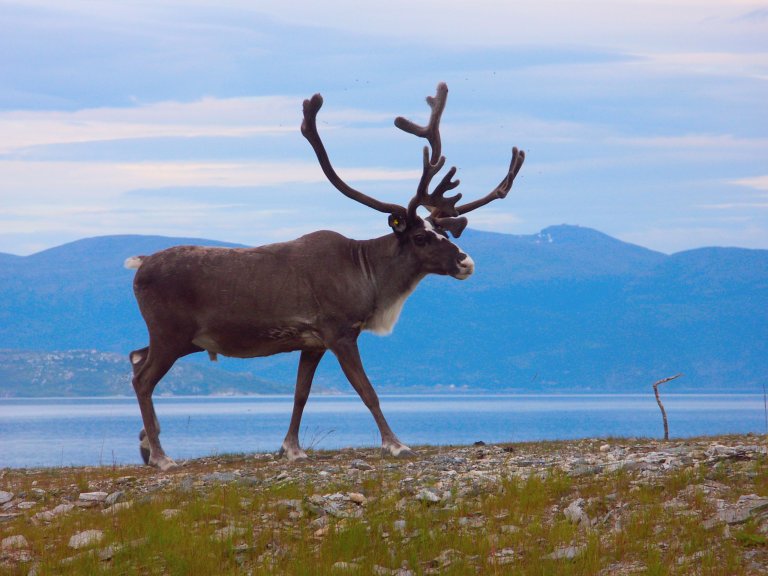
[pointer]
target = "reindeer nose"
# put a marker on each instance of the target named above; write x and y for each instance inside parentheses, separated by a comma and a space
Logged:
(466, 266)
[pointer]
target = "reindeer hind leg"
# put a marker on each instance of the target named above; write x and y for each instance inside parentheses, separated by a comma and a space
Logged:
(307, 366)
(149, 366)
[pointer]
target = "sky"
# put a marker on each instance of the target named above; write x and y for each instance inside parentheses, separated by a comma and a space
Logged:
(645, 120)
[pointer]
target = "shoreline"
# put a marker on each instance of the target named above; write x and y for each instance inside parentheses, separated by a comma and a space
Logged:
(460, 509)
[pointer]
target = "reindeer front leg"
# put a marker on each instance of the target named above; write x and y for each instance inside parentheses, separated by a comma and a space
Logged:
(349, 357)
(307, 366)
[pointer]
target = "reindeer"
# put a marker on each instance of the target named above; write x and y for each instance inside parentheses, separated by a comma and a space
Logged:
(312, 294)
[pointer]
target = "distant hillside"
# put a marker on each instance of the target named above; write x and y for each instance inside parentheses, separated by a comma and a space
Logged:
(566, 309)
(92, 373)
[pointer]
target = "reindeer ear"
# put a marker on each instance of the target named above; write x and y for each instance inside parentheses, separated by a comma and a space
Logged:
(453, 225)
(397, 223)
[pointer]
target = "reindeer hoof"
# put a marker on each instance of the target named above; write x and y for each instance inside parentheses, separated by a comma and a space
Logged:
(292, 454)
(398, 450)
(144, 447)
(163, 463)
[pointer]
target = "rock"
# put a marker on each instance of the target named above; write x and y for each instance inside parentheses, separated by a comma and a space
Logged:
(85, 539)
(360, 465)
(293, 504)
(106, 554)
(357, 498)
(746, 507)
(586, 470)
(504, 556)
(8, 516)
(228, 532)
(575, 512)
(114, 498)
(93, 496)
(428, 496)
(565, 553)
(220, 477)
(399, 525)
(115, 508)
(403, 570)
(5, 497)
(345, 566)
(169, 513)
(49, 515)
(472, 521)
(17, 542)
(444, 559)
(320, 522)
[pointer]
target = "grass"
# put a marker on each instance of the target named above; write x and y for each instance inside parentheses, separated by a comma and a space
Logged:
(511, 524)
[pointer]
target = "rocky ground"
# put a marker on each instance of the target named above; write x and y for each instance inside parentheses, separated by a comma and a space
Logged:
(603, 494)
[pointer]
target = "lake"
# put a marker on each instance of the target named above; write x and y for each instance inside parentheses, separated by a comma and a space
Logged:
(104, 431)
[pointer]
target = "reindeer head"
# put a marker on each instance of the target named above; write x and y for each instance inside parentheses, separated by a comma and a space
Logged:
(425, 239)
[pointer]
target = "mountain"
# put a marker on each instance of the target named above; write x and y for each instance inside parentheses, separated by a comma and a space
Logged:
(567, 309)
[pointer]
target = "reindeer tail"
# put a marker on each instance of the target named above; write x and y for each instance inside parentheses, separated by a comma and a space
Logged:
(133, 262)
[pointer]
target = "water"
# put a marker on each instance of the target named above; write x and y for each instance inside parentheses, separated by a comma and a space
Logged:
(90, 431)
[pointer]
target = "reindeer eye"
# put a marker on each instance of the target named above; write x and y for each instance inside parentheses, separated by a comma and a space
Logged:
(420, 239)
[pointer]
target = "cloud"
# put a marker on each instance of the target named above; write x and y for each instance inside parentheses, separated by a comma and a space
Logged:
(53, 181)
(749, 64)
(757, 182)
(233, 117)
(622, 23)
(675, 238)
(628, 112)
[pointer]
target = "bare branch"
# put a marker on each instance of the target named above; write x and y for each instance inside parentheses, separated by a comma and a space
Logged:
(661, 406)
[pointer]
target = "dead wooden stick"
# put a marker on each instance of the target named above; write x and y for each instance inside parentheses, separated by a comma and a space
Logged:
(661, 406)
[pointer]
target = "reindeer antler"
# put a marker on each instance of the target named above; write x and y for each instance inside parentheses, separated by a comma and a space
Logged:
(443, 210)
(309, 130)
(436, 202)
(501, 191)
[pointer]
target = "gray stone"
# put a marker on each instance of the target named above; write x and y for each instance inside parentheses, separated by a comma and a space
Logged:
(228, 532)
(220, 477)
(49, 515)
(428, 496)
(565, 553)
(360, 465)
(357, 498)
(345, 566)
(115, 508)
(5, 497)
(114, 498)
(93, 496)
(575, 512)
(106, 554)
(85, 539)
(16, 542)
(504, 556)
